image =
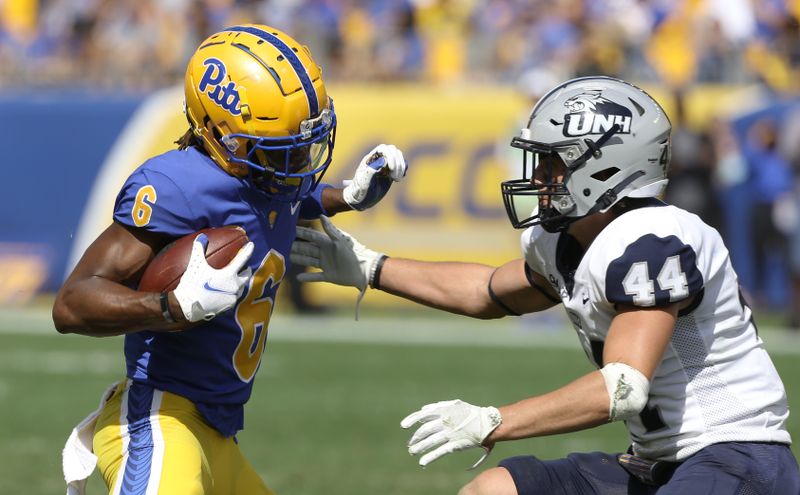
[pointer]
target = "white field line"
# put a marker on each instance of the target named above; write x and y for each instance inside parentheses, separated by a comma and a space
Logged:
(544, 331)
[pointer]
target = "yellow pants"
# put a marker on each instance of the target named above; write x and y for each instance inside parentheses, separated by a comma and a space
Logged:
(153, 442)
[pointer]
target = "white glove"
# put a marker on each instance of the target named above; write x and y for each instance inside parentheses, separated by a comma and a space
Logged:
(203, 291)
(450, 426)
(374, 176)
(342, 259)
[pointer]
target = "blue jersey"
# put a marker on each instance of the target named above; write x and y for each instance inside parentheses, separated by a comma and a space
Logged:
(212, 364)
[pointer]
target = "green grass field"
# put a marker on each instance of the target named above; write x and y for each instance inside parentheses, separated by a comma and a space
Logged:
(325, 412)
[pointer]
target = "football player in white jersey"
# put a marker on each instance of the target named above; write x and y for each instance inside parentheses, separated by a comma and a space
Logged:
(648, 287)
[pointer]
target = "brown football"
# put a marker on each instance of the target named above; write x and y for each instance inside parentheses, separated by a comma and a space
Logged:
(166, 269)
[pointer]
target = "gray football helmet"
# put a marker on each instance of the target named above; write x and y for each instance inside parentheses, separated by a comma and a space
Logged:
(613, 140)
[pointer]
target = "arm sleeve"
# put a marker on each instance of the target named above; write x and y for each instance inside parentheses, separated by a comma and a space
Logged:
(653, 272)
(311, 207)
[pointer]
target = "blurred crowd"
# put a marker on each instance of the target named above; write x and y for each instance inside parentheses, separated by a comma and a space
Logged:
(145, 43)
(739, 175)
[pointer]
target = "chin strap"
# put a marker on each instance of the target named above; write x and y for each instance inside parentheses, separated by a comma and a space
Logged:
(609, 197)
(558, 223)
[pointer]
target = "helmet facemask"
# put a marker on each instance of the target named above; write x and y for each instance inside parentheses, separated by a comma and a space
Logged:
(286, 167)
(546, 172)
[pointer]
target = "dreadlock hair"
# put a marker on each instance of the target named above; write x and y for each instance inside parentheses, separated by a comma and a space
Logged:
(189, 139)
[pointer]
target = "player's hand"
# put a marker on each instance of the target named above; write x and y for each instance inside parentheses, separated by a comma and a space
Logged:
(203, 291)
(342, 259)
(450, 426)
(374, 176)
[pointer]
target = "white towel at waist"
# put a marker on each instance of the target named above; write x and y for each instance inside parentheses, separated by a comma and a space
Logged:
(77, 459)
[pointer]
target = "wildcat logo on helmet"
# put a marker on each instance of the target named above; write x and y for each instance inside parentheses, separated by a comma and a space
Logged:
(226, 96)
(592, 113)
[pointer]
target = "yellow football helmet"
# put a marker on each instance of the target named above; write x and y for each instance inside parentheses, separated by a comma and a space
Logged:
(257, 101)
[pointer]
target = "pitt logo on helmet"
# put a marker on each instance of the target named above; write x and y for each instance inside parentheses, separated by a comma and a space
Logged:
(226, 96)
(592, 113)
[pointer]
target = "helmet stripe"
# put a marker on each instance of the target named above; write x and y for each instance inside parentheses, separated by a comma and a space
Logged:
(292, 58)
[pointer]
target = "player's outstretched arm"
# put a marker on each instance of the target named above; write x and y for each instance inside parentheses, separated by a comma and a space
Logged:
(373, 177)
(470, 289)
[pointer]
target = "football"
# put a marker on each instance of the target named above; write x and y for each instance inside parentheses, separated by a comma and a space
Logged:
(165, 270)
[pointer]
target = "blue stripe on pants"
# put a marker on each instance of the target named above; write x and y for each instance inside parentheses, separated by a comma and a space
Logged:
(140, 445)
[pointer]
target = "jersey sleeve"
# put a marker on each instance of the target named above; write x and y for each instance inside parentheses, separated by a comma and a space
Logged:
(311, 207)
(653, 272)
(152, 201)
(527, 242)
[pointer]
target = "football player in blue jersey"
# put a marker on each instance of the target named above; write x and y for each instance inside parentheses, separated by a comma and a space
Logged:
(648, 288)
(262, 131)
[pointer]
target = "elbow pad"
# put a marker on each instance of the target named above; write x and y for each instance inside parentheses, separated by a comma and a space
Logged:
(628, 390)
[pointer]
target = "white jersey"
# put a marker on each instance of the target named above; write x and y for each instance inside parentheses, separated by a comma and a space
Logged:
(715, 382)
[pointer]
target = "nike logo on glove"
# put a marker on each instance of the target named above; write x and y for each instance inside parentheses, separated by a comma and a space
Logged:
(214, 289)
